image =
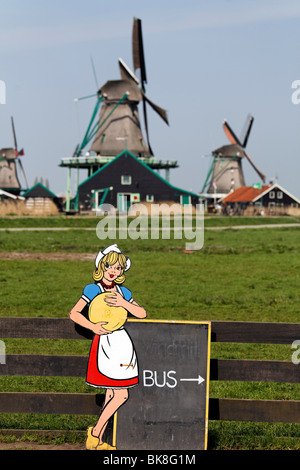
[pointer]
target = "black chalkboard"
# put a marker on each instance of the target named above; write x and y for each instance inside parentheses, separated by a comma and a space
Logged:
(169, 408)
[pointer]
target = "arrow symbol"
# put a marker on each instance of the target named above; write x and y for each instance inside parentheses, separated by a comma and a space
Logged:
(199, 380)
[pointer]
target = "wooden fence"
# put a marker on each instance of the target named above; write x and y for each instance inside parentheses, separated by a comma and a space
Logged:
(284, 411)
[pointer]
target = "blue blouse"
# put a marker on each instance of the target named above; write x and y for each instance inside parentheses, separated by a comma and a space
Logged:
(92, 290)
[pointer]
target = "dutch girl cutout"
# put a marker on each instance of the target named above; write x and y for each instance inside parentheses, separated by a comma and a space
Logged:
(112, 361)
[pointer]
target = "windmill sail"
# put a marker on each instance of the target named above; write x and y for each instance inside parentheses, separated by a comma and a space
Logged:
(138, 57)
(230, 134)
(138, 50)
(162, 112)
(247, 129)
(262, 176)
(126, 73)
(23, 173)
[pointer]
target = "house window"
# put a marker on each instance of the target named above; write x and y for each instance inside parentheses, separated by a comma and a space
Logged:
(272, 194)
(125, 179)
(185, 199)
(279, 195)
(149, 198)
(135, 197)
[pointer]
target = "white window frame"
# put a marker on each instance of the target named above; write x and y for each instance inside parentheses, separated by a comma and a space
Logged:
(272, 195)
(149, 198)
(124, 180)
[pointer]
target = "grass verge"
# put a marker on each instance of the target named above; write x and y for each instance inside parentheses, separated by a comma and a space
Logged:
(245, 275)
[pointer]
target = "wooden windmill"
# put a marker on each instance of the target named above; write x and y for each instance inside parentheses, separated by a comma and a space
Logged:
(9, 160)
(115, 125)
(226, 173)
(121, 128)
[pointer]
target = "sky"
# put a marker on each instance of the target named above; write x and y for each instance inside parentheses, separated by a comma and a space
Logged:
(206, 61)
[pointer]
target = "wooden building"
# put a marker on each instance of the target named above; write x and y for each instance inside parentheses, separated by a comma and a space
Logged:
(41, 201)
(269, 199)
(127, 180)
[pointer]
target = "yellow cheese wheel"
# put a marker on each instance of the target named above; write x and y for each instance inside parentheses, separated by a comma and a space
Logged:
(99, 310)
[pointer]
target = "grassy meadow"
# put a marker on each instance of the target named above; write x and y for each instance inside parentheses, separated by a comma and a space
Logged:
(250, 274)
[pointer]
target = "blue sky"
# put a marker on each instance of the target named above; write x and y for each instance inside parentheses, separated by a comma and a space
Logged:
(206, 61)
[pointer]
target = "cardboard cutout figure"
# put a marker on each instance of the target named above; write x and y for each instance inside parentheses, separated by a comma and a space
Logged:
(112, 361)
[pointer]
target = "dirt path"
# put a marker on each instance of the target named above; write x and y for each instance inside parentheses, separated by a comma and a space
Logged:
(23, 255)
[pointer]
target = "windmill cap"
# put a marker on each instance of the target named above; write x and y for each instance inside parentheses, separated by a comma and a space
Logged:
(116, 89)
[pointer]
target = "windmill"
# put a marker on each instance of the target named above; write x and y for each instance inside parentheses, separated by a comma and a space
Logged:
(9, 159)
(119, 124)
(226, 173)
(118, 127)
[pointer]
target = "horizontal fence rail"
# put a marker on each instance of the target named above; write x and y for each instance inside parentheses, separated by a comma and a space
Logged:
(220, 369)
(221, 331)
(50, 403)
(231, 409)
(285, 411)
(272, 411)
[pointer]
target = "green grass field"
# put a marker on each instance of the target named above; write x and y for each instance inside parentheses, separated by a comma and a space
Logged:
(246, 275)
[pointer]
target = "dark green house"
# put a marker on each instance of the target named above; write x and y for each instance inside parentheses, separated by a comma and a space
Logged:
(127, 180)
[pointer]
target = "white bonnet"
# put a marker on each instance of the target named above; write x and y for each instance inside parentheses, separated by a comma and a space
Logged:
(108, 250)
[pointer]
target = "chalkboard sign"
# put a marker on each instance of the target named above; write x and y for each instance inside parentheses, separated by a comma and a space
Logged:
(169, 408)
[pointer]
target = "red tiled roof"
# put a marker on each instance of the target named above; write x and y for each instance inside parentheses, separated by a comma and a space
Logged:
(245, 194)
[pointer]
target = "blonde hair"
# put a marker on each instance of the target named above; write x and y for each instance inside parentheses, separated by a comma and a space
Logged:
(111, 258)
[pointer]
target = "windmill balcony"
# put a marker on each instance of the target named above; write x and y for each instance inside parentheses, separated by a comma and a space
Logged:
(85, 161)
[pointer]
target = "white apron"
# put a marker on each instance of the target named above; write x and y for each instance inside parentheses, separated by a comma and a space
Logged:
(116, 356)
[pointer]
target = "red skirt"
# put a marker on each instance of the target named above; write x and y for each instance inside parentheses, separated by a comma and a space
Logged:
(95, 377)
